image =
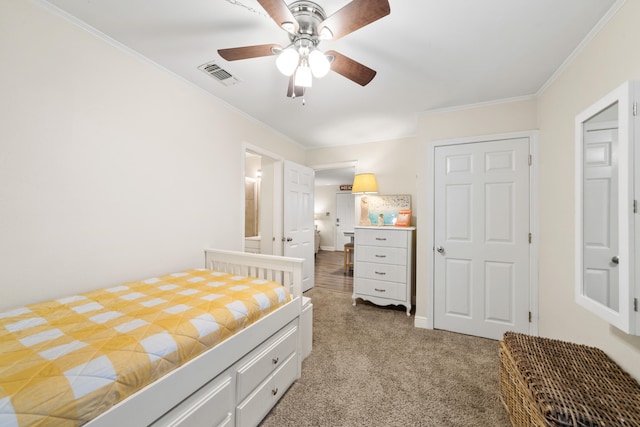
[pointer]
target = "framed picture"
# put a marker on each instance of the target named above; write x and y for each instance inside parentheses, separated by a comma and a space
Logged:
(404, 218)
(381, 209)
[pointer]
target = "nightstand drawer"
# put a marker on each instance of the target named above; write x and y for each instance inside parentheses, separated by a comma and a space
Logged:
(381, 254)
(382, 289)
(376, 237)
(386, 272)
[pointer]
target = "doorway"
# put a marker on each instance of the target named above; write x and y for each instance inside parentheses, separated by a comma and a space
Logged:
(328, 181)
(482, 269)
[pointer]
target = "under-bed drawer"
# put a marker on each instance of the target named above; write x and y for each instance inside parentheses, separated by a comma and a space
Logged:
(260, 402)
(211, 406)
(260, 363)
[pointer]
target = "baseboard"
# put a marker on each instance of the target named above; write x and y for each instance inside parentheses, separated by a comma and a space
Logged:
(421, 322)
(328, 248)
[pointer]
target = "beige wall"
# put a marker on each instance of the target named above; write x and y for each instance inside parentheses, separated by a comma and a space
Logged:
(499, 117)
(393, 162)
(492, 119)
(111, 169)
(606, 62)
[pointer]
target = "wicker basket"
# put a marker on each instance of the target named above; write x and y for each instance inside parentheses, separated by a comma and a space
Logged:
(545, 382)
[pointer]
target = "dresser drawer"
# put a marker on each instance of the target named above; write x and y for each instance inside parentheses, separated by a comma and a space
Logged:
(377, 237)
(260, 363)
(386, 272)
(382, 254)
(260, 402)
(382, 289)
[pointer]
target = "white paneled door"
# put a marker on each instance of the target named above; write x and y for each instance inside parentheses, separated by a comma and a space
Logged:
(345, 218)
(299, 230)
(481, 240)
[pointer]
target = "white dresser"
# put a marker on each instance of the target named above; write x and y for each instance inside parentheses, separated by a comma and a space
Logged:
(383, 270)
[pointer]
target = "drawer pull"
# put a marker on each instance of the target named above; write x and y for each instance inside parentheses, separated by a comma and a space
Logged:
(275, 360)
(381, 273)
(379, 290)
(381, 238)
(274, 391)
(381, 256)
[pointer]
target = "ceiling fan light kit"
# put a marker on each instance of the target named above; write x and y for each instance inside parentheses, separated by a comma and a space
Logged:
(307, 24)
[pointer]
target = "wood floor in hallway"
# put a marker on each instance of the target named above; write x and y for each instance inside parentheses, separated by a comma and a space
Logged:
(329, 272)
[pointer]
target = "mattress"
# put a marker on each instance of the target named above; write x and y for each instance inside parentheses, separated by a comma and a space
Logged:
(63, 362)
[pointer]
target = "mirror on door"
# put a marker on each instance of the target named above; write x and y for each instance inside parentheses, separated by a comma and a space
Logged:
(600, 250)
(605, 203)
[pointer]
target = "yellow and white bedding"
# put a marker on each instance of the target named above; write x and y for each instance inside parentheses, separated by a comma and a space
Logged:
(64, 362)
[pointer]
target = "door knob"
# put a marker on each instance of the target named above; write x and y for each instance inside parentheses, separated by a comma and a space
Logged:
(440, 249)
(289, 239)
(615, 260)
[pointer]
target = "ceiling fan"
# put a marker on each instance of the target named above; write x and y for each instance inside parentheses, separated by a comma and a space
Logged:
(307, 25)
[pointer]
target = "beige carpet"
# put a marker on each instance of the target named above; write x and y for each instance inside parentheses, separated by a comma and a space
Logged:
(371, 367)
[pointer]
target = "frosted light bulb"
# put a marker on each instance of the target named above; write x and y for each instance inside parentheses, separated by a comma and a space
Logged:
(319, 64)
(287, 61)
(303, 76)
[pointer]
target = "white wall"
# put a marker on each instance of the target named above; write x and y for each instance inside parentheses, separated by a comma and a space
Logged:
(111, 169)
(607, 61)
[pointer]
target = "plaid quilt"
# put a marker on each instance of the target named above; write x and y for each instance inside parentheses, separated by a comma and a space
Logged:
(64, 362)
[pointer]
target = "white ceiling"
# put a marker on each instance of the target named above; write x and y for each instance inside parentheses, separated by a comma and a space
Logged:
(429, 55)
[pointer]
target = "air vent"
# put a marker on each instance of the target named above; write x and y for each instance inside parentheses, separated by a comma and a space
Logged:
(223, 76)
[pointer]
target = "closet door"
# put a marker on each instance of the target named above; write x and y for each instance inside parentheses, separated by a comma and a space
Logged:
(481, 257)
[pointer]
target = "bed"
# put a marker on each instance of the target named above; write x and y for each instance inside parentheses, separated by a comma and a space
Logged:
(219, 346)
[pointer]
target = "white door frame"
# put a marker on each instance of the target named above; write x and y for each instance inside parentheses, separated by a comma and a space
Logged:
(533, 215)
(277, 193)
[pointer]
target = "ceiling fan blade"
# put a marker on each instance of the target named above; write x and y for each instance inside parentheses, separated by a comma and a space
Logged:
(280, 13)
(351, 69)
(353, 16)
(246, 52)
(294, 91)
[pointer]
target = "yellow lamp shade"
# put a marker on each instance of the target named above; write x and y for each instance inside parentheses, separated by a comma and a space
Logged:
(364, 183)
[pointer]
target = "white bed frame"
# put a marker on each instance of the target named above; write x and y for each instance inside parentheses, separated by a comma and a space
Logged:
(212, 387)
